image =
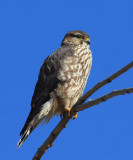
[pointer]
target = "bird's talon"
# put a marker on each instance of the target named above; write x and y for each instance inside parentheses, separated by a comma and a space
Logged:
(75, 115)
(67, 110)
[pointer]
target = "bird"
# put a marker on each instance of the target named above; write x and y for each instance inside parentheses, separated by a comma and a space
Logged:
(61, 81)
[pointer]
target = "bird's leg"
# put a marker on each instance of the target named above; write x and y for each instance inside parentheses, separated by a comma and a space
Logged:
(75, 115)
(67, 110)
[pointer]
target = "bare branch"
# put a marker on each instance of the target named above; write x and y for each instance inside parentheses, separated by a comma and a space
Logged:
(78, 107)
(112, 94)
(104, 82)
(49, 141)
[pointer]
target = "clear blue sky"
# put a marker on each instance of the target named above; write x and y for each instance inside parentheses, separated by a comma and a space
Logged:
(29, 32)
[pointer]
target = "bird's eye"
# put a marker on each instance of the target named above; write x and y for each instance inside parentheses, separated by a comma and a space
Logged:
(78, 36)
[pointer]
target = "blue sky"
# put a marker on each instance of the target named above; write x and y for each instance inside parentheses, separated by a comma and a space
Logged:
(32, 30)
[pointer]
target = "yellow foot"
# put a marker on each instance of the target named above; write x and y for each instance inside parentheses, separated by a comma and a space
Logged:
(75, 115)
(68, 111)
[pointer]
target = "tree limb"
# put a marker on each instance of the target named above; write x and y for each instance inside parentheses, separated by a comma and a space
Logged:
(79, 107)
(94, 102)
(104, 82)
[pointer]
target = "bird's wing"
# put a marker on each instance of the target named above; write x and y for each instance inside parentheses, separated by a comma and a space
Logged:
(48, 76)
(47, 81)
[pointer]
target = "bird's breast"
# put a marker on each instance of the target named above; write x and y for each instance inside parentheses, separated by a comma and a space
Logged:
(73, 74)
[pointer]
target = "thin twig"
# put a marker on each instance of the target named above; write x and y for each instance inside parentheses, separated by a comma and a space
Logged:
(94, 102)
(104, 82)
(49, 141)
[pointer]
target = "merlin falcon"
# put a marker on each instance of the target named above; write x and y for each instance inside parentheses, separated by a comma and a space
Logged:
(61, 81)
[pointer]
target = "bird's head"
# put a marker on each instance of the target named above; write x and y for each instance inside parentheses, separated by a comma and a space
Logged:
(76, 38)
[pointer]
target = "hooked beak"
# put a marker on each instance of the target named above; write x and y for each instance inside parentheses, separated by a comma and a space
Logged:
(87, 40)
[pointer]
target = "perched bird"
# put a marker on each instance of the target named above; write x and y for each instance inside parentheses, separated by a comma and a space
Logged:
(61, 81)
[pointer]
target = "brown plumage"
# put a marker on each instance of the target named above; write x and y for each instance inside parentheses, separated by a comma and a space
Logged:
(61, 81)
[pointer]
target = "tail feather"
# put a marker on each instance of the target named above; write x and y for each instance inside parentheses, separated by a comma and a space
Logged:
(24, 137)
(34, 119)
(28, 132)
(29, 120)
